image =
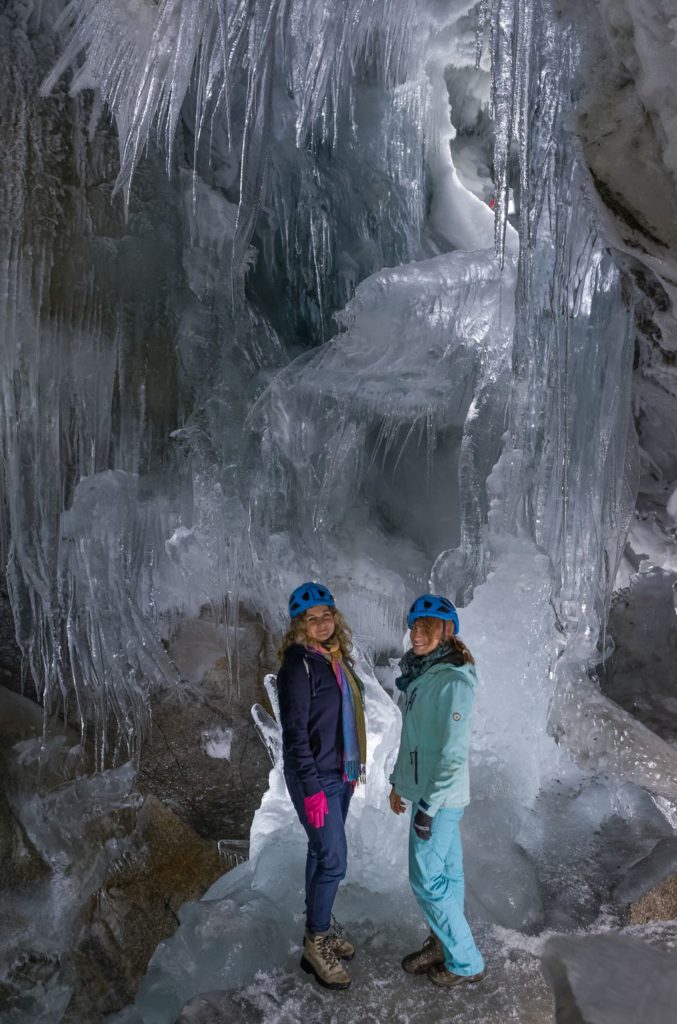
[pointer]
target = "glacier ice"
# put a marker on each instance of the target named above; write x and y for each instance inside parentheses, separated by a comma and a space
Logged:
(188, 425)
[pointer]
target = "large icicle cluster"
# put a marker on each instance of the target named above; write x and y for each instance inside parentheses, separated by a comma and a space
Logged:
(145, 59)
(77, 578)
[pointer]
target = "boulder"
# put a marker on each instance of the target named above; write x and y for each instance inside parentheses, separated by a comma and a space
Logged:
(646, 875)
(610, 979)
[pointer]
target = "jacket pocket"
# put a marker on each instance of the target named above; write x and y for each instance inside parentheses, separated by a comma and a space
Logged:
(413, 759)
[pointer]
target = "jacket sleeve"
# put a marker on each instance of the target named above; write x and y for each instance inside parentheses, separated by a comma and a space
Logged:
(454, 706)
(394, 777)
(395, 773)
(293, 690)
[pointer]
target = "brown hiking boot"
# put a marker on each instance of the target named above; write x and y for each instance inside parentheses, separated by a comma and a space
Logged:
(319, 958)
(439, 975)
(430, 954)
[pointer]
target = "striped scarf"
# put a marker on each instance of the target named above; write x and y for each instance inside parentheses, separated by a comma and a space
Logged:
(352, 714)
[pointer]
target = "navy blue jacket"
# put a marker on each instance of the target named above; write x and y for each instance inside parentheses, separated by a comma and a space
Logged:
(310, 713)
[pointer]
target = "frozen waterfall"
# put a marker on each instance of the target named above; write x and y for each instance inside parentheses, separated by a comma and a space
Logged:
(174, 438)
(258, 324)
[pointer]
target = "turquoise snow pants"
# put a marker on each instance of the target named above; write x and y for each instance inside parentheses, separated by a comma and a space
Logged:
(436, 878)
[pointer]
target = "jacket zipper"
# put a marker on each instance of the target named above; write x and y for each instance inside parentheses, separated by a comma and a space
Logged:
(413, 759)
(310, 677)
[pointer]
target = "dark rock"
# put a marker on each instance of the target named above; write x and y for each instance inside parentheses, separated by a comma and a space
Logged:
(641, 674)
(648, 873)
(610, 979)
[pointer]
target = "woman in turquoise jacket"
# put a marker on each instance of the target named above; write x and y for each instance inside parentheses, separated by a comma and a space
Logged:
(438, 681)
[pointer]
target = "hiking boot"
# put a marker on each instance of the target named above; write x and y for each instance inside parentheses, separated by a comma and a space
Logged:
(430, 954)
(439, 975)
(319, 958)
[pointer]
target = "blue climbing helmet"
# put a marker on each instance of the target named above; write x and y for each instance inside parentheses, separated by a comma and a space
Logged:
(307, 596)
(435, 607)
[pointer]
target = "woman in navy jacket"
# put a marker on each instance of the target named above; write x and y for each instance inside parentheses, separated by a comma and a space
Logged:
(324, 751)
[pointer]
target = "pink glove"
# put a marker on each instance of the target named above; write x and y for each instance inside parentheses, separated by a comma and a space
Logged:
(316, 808)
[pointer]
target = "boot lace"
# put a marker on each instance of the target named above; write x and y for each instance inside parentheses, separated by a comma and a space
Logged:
(327, 951)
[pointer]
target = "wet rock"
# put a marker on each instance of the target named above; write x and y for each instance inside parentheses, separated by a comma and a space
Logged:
(10, 655)
(641, 674)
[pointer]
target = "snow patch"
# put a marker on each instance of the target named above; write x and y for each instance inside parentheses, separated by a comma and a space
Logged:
(217, 742)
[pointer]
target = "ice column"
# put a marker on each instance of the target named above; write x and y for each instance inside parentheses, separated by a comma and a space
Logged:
(571, 441)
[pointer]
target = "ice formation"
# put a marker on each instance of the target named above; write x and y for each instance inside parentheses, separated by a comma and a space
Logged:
(298, 344)
(150, 519)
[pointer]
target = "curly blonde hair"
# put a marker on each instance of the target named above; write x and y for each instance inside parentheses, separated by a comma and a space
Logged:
(430, 625)
(296, 634)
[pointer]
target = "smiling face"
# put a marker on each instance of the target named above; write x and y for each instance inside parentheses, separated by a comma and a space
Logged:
(427, 633)
(319, 623)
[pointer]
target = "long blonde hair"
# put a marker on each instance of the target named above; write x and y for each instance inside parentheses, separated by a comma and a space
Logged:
(296, 634)
(448, 636)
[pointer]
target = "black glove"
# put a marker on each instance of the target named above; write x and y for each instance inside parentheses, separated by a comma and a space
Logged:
(423, 825)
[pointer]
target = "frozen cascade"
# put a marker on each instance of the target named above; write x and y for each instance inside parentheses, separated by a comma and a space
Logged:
(135, 357)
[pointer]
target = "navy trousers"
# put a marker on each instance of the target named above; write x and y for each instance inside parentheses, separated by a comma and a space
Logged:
(327, 848)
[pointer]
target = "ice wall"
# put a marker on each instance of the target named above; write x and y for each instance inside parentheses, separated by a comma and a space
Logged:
(73, 570)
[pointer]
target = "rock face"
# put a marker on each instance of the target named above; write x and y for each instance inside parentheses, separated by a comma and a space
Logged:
(641, 674)
(610, 979)
(203, 757)
(136, 908)
(627, 125)
(627, 120)
(202, 774)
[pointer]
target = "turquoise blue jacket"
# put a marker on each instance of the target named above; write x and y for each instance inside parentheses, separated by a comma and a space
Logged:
(432, 764)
